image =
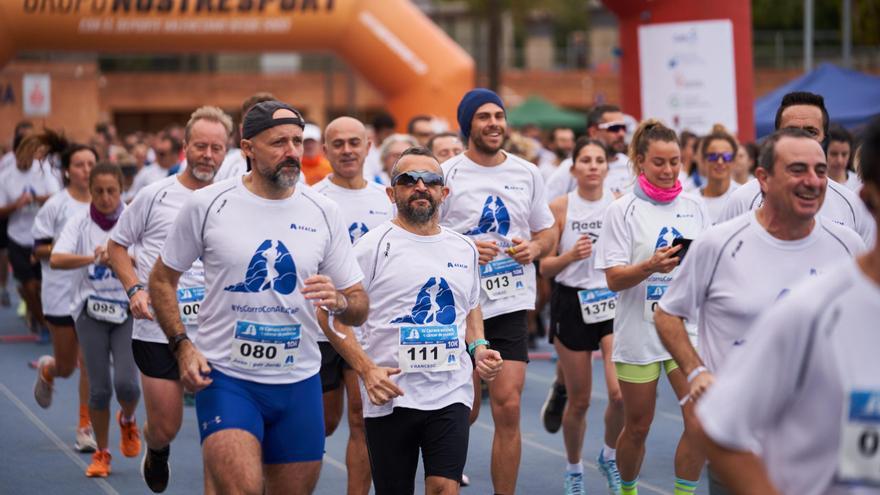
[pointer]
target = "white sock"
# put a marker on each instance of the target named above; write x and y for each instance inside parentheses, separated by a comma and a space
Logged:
(608, 453)
(575, 468)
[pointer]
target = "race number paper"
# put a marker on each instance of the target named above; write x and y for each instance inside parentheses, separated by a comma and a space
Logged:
(261, 346)
(597, 305)
(107, 310)
(859, 458)
(189, 301)
(428, 348)
(502, 278)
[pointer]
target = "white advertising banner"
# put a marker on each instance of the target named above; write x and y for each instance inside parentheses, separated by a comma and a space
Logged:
(687, 74)
(37, 92)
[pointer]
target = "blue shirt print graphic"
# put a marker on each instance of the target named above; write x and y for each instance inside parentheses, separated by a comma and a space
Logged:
(434, 304)
(667, 235)
(356, 230)
(494, 218)
(271, 267)
(100, 272)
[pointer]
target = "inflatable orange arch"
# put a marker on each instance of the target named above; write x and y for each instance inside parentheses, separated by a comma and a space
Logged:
(415, 66)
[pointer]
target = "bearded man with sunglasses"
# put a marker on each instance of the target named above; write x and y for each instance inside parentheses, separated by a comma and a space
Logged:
(426, 321)
(497, 199)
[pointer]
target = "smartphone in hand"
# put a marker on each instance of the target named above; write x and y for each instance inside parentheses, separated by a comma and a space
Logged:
(685, 244)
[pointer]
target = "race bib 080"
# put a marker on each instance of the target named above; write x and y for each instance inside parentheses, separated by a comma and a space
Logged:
(106, 310)
(429, 348)
(262, 346)
(502, 278)
(189, 301)
(859, 457)
(597, 305)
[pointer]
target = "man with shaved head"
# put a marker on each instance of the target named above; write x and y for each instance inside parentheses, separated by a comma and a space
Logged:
(363, 205)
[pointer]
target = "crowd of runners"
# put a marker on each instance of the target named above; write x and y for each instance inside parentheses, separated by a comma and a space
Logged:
(281, 274)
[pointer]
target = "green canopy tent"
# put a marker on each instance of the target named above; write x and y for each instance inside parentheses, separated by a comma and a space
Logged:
(540, 112)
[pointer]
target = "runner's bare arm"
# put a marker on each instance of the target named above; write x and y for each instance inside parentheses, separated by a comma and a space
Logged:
(624, 277)
(488, 362)
(123, 267)
(351, 304)
(741, 472)
(69, 261)
(674, 336)
(377, 381)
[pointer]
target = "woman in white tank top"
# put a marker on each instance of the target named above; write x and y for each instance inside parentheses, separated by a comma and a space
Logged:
(582, 308)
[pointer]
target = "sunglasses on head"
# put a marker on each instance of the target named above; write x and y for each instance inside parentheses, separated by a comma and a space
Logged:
(725, 157)
(412, 177)
(613, 126)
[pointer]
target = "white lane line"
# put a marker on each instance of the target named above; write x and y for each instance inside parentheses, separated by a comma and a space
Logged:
(604, 397)
(558, 453)
(64, 448)
(333, 462)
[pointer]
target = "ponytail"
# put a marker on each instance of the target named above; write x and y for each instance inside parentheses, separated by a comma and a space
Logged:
(649, 130)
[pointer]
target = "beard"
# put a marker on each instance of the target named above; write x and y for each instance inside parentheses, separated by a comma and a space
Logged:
(414, 214)
(202, 175)
(285, 175)
(484, 148)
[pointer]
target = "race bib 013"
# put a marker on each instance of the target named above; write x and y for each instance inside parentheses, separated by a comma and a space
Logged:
(261, 346)
(597, 305)
(502, 278)
(429, 348)
(859, 457)
(189, 301)
(106, 310)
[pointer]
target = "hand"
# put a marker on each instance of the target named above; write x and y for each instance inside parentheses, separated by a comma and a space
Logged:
(321, 291)
(582, 249)
(193, 366)
(140, 305)
(25, 199)
(524, 251)
(380, 388)
(489, 363)
(488, 250)
(701, 384)
(663, 260)
(102, 255)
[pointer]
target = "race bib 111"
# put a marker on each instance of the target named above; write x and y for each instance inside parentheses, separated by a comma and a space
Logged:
(429, 348)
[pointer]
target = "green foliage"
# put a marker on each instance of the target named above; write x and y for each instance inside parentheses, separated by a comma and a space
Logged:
(828, 14)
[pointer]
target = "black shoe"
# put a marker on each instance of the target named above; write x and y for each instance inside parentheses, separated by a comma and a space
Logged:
(551, 413)
(155, 470)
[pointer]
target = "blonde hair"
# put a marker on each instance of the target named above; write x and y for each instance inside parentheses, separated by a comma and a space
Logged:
(209, 113)
(649, 130)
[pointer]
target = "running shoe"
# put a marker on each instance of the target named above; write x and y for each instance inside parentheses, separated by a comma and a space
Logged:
(155, 469)
(130, 443)
(100, 466)
(465, 481)
(21, 309)
(608, 468)
(43, 387)
(551, 412)
(574, 484)
(85, 439)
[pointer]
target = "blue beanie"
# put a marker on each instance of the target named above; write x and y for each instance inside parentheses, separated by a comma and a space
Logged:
(471, 101)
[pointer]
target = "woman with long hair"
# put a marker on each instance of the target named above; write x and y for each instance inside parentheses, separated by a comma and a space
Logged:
(717, 153)
(643, 235)
(103, 323)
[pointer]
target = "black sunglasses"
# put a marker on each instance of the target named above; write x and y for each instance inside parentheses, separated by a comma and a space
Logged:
(414, 176)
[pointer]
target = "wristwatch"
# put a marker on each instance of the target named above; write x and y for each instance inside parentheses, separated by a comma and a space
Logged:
(174, 342)
(134, 289)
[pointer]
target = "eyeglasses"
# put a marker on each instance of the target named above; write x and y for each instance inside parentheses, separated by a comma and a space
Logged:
(714, 157)
(613, 126)
(412, 177)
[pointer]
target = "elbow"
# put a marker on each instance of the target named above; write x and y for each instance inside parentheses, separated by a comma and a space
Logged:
(54, 262)
(613, 283)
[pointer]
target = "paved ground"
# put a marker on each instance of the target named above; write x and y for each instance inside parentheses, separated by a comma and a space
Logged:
(37, 454)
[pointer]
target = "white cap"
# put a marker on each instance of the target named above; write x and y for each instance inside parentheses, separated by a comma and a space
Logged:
(311, 131)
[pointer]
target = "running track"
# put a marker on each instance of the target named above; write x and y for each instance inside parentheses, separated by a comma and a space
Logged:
(37, 455)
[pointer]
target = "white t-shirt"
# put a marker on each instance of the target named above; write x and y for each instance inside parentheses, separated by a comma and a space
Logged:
(149, 174)
(373, 164)
(362, 209)
(715, 205)
(853, 183)
(805, 386)
(421, 290)
(142, 228)
(233, 165)
(735, 270)
(841, 206)
(632, 231)
(13, 182)
(619, 180)
(583, 217)
(7, 160)
(497, 204)
(81, 236)
(57, 285)
(254, 323)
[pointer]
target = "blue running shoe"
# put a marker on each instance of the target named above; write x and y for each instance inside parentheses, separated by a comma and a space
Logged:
(612, 475)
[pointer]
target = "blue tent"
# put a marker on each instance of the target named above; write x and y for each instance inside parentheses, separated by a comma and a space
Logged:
(851, 97)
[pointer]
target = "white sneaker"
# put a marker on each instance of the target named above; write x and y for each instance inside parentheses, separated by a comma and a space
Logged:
(42, 388)
(85, 439)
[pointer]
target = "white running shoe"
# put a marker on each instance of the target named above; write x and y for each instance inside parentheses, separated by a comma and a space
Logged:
(42, 388)
(85, 439)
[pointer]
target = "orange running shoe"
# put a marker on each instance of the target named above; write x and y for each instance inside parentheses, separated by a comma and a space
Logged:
(100, 466)
(130, 443)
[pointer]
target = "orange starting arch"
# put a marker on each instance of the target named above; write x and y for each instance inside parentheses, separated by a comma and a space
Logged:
(407, 58)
